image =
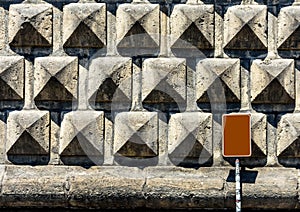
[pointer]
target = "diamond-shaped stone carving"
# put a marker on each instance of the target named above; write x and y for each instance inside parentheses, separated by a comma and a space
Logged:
(55, 78)
(84, 25)
(288, 136)
(30, 25)
(28, 133)
(245, 27)
(109, 79)
(164, 80)
(192, 26)
(11, 78)
(138, 29)
(272, 82)
(214, 75)
(190, 138)
(289, 28)
(81, 137)
(136, 134)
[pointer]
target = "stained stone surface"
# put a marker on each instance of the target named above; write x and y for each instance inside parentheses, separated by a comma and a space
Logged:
(11, 78)
(30, 25)
(273, 82)
(28, 134)
(245, 27)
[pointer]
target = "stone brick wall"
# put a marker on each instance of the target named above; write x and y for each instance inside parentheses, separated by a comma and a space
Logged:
(109, 104)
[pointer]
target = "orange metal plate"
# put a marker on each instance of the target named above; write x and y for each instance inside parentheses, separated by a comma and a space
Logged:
(236, 135)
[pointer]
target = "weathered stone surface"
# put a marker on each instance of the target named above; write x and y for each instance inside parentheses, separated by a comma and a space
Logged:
(81, 138)
(192, 27)
(273, 82)
(138, 29)
(30, 25)
(109, 80)
(164, 80)
(84, 25)
(190, 138)
(288, 135)
(289, 28)
(245, 27)
(28, 136)
(55, 78)
(218, 80)
(3, 28)
(11, 78)
(136, 134)
(262, 186)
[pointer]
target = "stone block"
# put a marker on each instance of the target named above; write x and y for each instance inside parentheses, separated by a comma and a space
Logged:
(109, 80)
(192, 29)
(30, 25)
(81, 138)
(288, 140)
(245, 28)
(84, 25)
(136, 135)
(218, 81)
(289, 28)
(28, 137)
(190, 139)
(272, 83)
(11, 78)
(164, 81)
(138, 29)
(55, 78)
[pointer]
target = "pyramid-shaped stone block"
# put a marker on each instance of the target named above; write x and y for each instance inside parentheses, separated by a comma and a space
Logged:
(109, 80)
(245, 27)
(28, 133)
(30, 25)
(289, 28)
(166, 77)
(192, 26)
(11, 78)
(138, 27)
(56, 78)
(218, 75)
(288, 136)
(136, 134)
(273, 82)
(190, 137)
(82, 134)
(84, 25)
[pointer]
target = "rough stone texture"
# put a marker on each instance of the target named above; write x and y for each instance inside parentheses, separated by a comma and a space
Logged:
(81, 137)
(245, 27)
(218, 80)
(28, 136)
(131, 97)
(11, 78)
(192, 28)
(55, 78)
(109, 80)
(136, 134)
(164, 80)
(137, 28)
(84, 25)
(273, 82)
(190, 138)
(30, 25)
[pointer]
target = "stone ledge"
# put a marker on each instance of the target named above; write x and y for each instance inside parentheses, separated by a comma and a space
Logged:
(152, 187)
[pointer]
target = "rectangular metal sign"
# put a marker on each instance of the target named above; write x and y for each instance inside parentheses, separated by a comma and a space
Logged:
(236, 135)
